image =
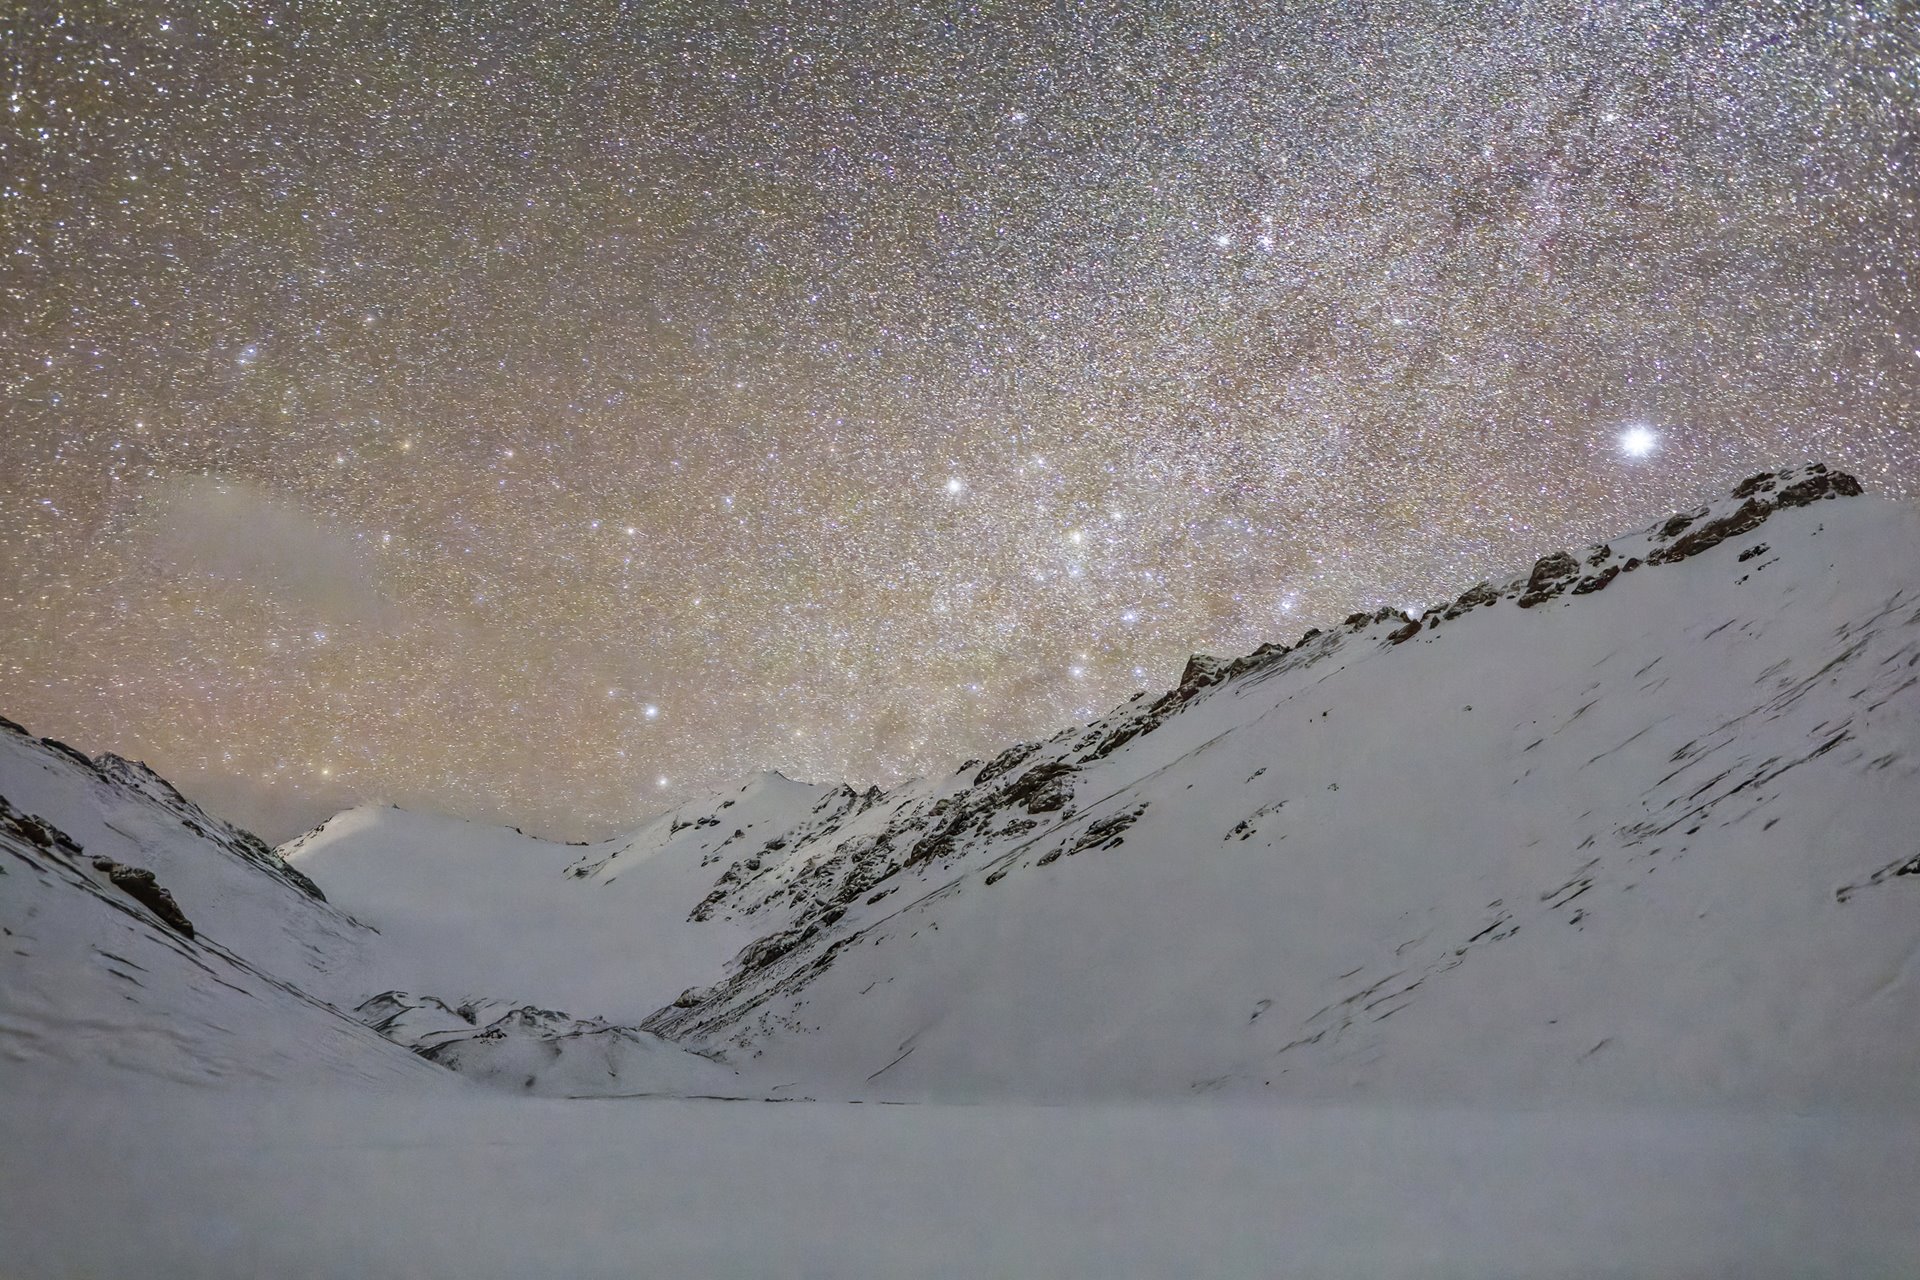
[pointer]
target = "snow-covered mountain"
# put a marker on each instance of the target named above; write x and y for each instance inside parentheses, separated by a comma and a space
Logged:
(1636, 825)
(234, 983)
(1595, 889)
(1631, 826)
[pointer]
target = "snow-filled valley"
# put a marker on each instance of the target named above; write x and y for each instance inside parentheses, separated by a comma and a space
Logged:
(1572, 928)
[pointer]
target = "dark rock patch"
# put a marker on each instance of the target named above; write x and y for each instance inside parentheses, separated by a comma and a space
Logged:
(138, 883)
(1598, 582)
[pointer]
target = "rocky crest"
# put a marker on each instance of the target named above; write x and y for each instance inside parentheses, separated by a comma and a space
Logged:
(1024, 808)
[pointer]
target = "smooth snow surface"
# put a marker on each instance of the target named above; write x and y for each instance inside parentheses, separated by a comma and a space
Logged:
(315, 1185)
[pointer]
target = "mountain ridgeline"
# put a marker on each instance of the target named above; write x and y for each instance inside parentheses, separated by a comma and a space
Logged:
(1637, 824)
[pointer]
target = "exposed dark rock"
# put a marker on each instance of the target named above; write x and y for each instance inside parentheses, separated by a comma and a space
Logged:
(1474, 597)
(1004, 761)
(1105, 833)
(54, 744)
(1677, 525)
(1598, 582)
(1751, 515)
(138, 883)
(704, 911)
(1042, 789)
(1405, 633)
(1551, 569)
(1822, 484)
(1599, 556)
(1120, 737)
(35, 831)
(937, 844)
(1753, 484)
(762, 952)
(1551, 575)
(1202, 669)
(1893, 870)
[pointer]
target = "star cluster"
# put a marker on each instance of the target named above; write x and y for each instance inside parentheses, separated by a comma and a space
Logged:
(542, 410)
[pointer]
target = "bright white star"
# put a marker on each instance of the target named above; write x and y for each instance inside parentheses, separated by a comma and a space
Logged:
(1639, 441)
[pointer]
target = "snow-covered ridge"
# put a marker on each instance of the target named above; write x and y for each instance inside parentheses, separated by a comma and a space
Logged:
(108, 974)
(134, 780)
(889, 961)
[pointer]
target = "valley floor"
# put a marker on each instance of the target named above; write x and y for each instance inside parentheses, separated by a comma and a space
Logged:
(168, 1181)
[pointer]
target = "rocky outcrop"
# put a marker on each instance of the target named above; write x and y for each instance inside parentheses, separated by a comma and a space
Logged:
(1202, 669)
(1402, 634)
(1751, 515)
(1822, 484)
(138, 883)
(762, 952)
(37, 832)
(1763, 495)
(1551, 575)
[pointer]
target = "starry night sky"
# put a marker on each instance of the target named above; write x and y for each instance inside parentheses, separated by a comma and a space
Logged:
(541, 415)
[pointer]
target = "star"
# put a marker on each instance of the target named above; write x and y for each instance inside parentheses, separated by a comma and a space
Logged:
(1639, 441)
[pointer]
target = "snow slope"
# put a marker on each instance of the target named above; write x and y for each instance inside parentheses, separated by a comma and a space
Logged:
(468, 911)
(1628, 828)
(1636, 826)
(1631, 826)
(96, 987)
